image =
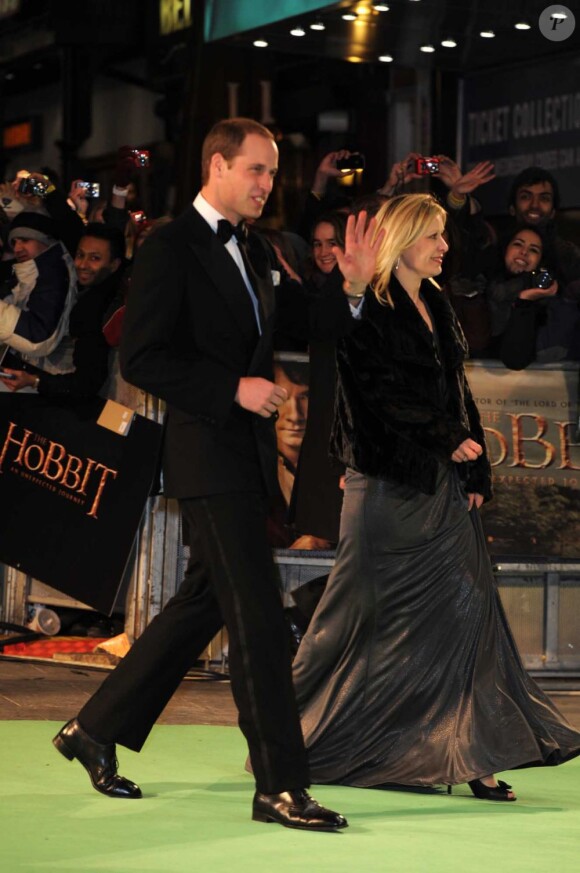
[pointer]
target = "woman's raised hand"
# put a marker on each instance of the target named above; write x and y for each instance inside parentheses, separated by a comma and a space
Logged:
(357, 262)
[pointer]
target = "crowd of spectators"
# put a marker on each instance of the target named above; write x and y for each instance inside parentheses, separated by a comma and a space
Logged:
(65, 270)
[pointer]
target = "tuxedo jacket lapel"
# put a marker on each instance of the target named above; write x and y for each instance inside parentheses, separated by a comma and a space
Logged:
(223, 273)
(262, 278)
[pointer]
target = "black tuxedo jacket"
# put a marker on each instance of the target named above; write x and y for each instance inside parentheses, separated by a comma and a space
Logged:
(190, 334)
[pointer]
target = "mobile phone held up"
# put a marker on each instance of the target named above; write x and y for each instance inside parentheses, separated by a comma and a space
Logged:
(30, 185)
(90, 189)
(140, 158)
(355, 161)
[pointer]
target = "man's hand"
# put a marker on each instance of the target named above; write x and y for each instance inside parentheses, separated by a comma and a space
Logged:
(260, 395)
(401, 174)
(460, 184)
(327, 169)
(79, 198)
(361, 244)
(469, 450)
(22, 379)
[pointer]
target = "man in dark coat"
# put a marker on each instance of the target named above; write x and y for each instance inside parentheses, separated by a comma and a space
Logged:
(198, 334)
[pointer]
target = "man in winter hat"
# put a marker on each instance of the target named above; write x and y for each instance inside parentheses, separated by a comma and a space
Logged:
(35, 303)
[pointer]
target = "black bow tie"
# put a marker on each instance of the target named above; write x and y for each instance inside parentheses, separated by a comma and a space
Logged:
(226, 230)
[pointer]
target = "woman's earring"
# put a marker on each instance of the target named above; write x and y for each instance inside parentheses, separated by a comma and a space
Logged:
(397, 264)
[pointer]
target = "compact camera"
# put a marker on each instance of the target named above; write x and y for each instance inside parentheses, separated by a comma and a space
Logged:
(426, 166)
(140, 158)
(356, 161)
(541, 279)
(90, 189)
(138, 217)
(30, 185)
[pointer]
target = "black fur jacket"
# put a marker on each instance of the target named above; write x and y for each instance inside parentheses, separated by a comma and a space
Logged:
(401, 409)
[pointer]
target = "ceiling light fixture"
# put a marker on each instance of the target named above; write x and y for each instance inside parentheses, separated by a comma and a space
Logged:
(298, 31)
(449, 43)
(317, 25)
(522, 25)
(362, 10)
(349, 16)
(487, 34)
(386, 59)
(260, 43)
(428, 49)
(559, 14)
(380, 7)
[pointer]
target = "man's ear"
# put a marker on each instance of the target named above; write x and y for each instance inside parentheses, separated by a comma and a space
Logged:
(115, 264)
(218, 164)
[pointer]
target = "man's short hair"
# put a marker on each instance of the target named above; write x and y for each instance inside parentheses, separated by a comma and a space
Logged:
(112, 235)
(531, 176)
(226, 138)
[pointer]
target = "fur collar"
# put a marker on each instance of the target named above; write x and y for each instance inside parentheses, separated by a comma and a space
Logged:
(406, 333)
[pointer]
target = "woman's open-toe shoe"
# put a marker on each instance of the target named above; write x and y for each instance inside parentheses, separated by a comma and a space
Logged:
(501, 791)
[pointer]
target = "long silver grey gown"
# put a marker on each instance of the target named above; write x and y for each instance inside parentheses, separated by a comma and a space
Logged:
(408, 673)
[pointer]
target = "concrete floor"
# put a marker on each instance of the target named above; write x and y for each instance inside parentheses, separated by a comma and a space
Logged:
(55, 692)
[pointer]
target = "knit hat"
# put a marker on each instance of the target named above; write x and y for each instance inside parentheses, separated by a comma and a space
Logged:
(33, 225)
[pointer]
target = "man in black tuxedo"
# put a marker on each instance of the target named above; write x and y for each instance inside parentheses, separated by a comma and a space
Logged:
(198, 334)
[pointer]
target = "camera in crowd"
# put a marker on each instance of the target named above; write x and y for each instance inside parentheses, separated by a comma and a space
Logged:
(140, 158)
(90, 189)
(355, 161)
(426, 166)
(541, 279)
(30, 185)
(138, 217)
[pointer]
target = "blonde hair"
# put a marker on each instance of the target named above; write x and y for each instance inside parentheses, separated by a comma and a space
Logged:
(405, 219)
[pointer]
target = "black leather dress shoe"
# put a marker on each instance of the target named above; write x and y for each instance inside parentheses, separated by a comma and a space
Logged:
(296, 809)
(99, 761)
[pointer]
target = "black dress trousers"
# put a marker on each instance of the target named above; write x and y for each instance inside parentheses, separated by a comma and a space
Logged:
(231, 579)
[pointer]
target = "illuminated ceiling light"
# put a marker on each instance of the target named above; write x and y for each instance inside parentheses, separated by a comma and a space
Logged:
(380, 7)
(427, 49)
(260, 43)
(487, 34)
(449, 43)
(354, 59)
(522, 25)
(362, 10)
(349, 16)
(559, 14)
(298, 31)
(317, 25)
(386, 59)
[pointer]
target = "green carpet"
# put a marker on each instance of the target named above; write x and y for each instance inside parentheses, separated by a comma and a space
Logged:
(195, 816)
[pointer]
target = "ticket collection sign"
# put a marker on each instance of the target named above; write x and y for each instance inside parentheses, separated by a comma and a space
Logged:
(521, 117)
(72, 493)
(531, 421)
